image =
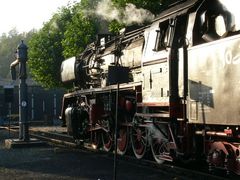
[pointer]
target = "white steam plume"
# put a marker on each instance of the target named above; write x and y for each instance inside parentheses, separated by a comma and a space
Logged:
(129, 15)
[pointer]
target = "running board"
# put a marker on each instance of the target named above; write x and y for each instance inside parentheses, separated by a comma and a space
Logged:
(163, 115)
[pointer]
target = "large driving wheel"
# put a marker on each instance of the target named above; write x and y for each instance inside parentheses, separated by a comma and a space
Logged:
(107, 135)
(122, 140)
(139, 141)
(160, 149)
(95, 139)
(107, 141)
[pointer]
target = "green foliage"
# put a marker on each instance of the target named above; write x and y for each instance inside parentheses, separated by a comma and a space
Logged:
(45, 50)
(65, 35)
(115, 26)
(80, 31)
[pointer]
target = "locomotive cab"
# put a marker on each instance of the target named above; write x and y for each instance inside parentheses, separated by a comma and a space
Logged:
(213, 77)
(213, 66)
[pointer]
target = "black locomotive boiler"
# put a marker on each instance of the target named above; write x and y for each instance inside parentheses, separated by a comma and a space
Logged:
(174, 84)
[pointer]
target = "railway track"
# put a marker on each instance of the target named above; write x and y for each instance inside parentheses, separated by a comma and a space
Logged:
(61, 139)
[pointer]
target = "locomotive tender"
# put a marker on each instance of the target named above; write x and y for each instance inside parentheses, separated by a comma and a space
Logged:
(174, 85)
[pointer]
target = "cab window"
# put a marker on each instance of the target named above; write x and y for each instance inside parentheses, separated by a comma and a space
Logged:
(215, 22)
(163, 36)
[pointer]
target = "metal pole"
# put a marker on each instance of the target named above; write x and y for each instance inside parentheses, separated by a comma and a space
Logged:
(21, 55)
(23, 99)
(115, 136)
(23, 110)
(54, 110)
(20, 115)
(32, 112)
(10, 117)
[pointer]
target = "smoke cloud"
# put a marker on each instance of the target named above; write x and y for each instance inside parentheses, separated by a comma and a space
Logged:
(129, 15)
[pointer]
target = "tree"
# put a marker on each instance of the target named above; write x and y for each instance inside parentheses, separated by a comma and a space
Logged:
(79, 32)
(65, 35)
(83, 28)
(46, 50)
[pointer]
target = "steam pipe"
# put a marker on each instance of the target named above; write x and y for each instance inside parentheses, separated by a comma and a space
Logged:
(12, 68)
(14, 63)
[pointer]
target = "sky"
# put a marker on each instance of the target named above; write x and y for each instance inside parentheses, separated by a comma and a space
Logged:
(24, 15)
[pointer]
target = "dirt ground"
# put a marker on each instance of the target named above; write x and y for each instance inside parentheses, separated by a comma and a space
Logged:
(49, 162)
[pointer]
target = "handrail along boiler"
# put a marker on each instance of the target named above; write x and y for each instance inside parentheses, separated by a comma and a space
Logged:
(179, 94)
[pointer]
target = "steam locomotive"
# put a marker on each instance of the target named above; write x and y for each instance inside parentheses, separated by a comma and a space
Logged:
(171, 87)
